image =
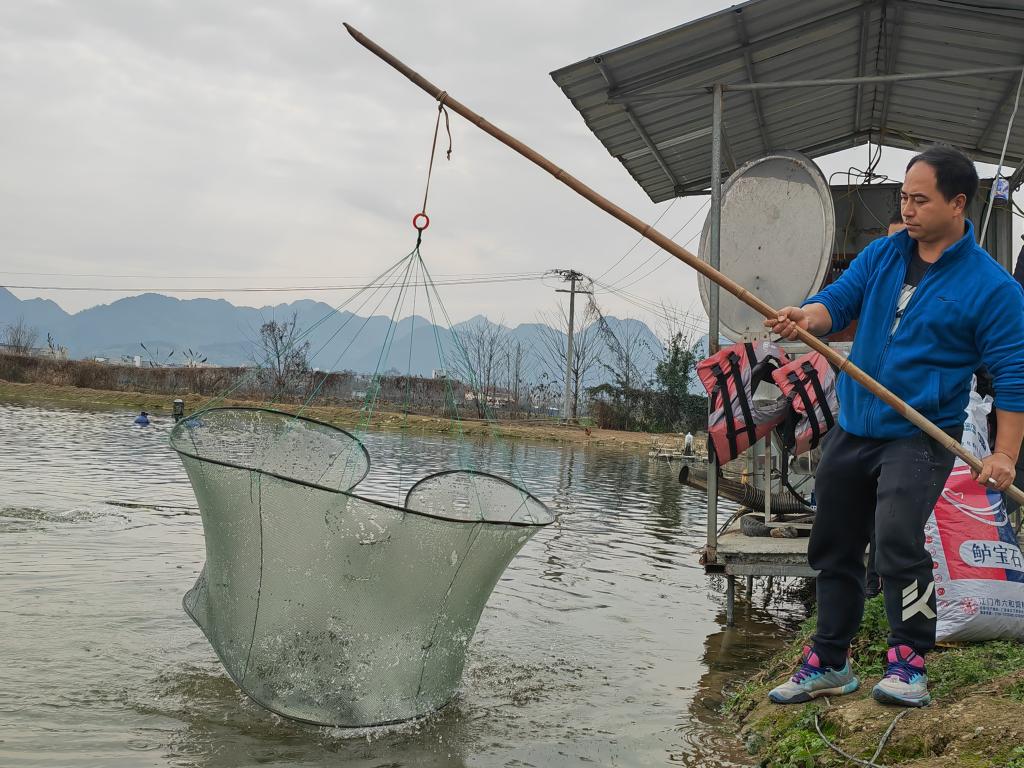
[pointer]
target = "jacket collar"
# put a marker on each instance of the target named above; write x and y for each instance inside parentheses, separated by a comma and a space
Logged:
(905, 243)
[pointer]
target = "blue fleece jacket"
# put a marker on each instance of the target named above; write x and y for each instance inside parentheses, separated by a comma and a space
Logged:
(967, 311)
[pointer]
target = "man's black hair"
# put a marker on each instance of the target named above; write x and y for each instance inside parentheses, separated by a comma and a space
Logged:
(896, 217)
(954, 171)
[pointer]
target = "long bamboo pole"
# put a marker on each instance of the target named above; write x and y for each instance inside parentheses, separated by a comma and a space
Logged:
(665, 243)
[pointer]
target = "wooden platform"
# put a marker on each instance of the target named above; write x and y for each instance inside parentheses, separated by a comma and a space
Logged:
(750, 556)
(740, 555)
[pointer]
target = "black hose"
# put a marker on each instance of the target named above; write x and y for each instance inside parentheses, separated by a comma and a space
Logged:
(783, 502)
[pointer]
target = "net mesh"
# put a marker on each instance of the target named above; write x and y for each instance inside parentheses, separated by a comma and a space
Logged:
(328, 607)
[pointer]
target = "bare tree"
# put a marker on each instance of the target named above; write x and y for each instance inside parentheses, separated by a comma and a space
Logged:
(280, 352)
(155, 356)
(586, 355)
(19, 337)
(514, 357)
(478, 356)
(627, 349)
(55, 350)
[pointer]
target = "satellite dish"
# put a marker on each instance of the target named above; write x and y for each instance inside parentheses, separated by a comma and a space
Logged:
(778, 227)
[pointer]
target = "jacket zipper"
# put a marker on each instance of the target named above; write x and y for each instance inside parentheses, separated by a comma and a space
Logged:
(888, 339)
(903, 319)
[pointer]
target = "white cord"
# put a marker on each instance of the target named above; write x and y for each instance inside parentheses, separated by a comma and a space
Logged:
(1002, 156)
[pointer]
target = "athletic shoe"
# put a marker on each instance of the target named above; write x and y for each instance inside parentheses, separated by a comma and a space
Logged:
(905, 682)
(813, 679)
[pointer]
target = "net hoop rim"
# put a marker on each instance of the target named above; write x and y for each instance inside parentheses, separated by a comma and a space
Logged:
(490, 475)
(181, 425)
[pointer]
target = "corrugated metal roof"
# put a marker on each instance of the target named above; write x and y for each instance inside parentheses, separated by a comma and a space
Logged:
(778, 40)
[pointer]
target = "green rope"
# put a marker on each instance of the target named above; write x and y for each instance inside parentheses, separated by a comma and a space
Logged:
(403, 274)
(371, 395)
(488, 414)
(337, 360)
(408, 379)
(255, 372)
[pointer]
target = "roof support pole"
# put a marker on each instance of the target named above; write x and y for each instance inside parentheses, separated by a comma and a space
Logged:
(862, 53)
(714, 255)
(748, 61)
(638, 127)
(890, 65)
(646, 137)
(1004, 99)
(829, 83)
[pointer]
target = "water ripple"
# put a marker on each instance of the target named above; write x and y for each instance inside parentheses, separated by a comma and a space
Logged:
(597, 645)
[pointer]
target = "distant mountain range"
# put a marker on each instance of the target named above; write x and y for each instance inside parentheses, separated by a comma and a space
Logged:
(228, 335)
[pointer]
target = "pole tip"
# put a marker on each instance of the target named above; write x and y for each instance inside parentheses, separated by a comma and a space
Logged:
(351, 30)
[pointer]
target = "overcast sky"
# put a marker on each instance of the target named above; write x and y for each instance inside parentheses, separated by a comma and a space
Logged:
(231, 143)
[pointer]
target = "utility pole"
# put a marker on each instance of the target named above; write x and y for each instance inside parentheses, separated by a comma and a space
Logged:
(571, 276)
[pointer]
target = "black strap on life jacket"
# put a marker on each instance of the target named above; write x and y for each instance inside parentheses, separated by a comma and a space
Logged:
(819, 392)
(805, 397)
(800, 387)
(741, 396)
(760, 370)
(721, 390)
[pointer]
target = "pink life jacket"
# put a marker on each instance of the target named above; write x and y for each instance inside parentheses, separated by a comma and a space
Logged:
(809, 384)
(730, 377)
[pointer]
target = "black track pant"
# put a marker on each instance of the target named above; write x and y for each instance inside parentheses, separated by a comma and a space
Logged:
(891, 485)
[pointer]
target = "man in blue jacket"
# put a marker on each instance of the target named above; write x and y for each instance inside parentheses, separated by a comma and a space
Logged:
(932, 307)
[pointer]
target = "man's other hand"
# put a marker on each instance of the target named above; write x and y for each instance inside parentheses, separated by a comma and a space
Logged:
(997, 471)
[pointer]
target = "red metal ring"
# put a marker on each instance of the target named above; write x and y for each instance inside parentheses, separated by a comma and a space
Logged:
(416, 219)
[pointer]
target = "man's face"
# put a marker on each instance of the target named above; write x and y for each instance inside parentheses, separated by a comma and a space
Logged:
(929, 216)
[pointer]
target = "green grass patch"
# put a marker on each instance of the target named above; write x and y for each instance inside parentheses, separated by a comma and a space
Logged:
(784, 737)
(1012, 759)
(793, 741)
(1016, 691)
(871, 643)
(952, 670)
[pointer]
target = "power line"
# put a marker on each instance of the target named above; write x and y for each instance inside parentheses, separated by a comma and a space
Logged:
(639, 240)
(687, 321)
(253, 277)
(268, 289)
(664, 261)
(658, 250)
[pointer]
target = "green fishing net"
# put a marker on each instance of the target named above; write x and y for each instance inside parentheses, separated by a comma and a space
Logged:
(328, 607)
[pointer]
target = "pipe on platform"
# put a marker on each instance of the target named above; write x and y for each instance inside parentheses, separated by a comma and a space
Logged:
(783, 503)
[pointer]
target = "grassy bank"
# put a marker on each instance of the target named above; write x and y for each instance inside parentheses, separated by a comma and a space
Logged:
(341, 416)
(976, 719)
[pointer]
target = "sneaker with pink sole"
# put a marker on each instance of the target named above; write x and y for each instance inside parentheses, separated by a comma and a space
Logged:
(905, 682)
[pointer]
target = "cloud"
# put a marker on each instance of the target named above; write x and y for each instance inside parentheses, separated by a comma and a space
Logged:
(256, 142)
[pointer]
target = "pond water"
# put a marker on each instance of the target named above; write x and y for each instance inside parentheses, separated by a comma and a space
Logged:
(602, 644)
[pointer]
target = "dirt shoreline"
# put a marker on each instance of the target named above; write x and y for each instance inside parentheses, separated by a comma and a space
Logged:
(160, 404)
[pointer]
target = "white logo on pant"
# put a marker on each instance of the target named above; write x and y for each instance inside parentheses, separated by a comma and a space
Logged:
(913, 604)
